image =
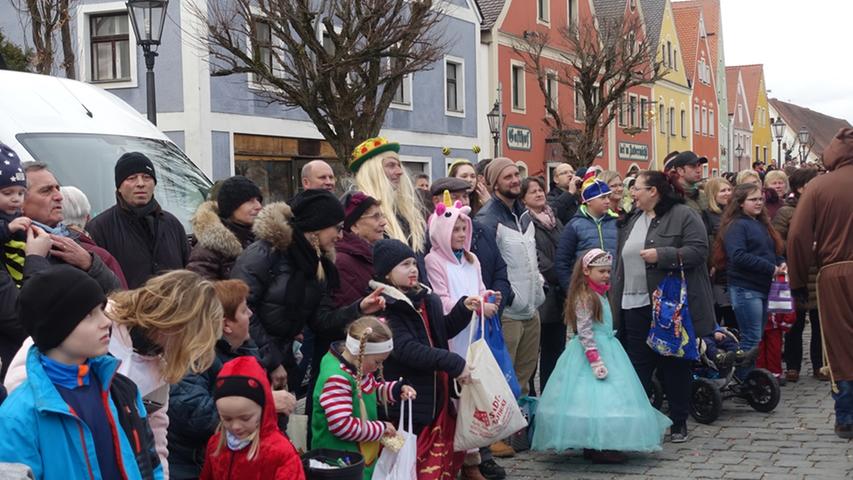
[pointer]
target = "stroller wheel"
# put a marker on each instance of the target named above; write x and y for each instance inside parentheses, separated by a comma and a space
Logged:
(656, 393)
(706, 402)
(761, 390)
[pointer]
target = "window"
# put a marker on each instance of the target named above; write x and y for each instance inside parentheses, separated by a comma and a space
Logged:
(675, 59)
(740, 113)
(542, 10)
(580, 108)
(764, 158)
(669, 53)
(572, 14)
(632, 42)
(711, 123)
(109, 47)
(704, 119)
(660, 118)
(684, 128)
(551, 86)
(622, 104)
(403, 95)
(454, 89)
(756, 154)
(672, 121)
(632, 110)
(696, 125)
(644, 107)
(262, 41)
(518, 90)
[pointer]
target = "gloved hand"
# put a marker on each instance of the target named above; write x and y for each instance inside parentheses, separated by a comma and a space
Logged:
(599, 370)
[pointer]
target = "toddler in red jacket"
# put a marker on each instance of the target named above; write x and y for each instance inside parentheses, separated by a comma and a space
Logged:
(248, 444)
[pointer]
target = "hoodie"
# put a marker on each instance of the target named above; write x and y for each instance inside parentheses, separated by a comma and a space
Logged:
(276, 458)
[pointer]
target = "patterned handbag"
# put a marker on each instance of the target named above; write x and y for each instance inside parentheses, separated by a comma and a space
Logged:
(671, 333)
(779, 300)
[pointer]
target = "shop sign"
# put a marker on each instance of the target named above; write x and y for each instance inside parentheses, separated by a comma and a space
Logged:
(633, 151)
(519, 138)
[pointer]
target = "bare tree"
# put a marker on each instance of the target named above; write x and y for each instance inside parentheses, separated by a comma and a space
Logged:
(600, 61)
(46, 17)
(340, 61)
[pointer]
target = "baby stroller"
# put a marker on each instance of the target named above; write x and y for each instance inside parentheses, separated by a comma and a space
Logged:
(713, 382)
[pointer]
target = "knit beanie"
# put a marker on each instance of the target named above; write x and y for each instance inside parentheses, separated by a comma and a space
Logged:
(54, 301)
(132, 163)
(387, 254)
(355, 204)
(236, 191)
(493, 171)
(11, 173)
(239, 386)
(315, 210)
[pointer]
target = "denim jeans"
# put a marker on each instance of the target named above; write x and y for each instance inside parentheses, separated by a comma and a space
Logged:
(844, 402)
(750, 308)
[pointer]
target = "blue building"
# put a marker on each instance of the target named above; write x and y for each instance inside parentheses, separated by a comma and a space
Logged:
(225, 125)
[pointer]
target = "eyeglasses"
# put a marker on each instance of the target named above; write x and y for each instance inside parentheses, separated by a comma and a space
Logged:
(756, 199)
(634, 188)
(376, 216)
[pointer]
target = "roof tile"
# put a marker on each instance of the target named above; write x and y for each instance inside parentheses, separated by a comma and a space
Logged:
(822, 127)
(490, 10)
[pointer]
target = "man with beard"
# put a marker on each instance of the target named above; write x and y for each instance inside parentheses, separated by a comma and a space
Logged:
(685, 174)
(145, 239)
(506, 218)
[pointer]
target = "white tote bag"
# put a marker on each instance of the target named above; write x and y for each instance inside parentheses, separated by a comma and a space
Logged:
(297, 432)
(400, 465)
(488, 411)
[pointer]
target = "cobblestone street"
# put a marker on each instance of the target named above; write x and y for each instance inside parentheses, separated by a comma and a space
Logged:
(796, 441)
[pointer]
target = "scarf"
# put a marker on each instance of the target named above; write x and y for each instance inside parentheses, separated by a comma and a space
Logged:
(243, 233)
(545, 217)
(598, 288)
(147, 215)
(59, 230)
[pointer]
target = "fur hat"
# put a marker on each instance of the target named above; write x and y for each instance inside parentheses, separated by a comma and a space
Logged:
(369, 149)
(234, 192)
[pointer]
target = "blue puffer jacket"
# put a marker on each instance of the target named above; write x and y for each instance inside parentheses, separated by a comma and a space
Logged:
(581, 234)
(40, 431)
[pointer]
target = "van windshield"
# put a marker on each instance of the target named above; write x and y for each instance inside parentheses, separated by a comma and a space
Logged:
(87, 161)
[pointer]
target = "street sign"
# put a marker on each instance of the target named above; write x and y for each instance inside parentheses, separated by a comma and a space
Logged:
(633, 151)
(519, 138)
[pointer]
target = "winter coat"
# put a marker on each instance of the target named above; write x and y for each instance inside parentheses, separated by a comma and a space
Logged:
(217, 244)
(268, 265)
(40, 430)
(563, 203)
(676, 232)
(581, 234)
(419, 354)
(276, 458)
(781, 222)
(126, 238)
(546, 252)
(712, 226)
(697, 200)
(110, 261)
(354, 260)
(750, 255)
(772, 202)
(192, 412)
(515, 236)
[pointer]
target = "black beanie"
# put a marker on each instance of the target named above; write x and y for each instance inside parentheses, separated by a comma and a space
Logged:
(387, 254)
(132, 163)
(54, 301)
(236, 191)
(315, 210)
(239, 386)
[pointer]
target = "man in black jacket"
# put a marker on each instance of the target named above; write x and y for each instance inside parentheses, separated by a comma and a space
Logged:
(563, 198)
(145, 239)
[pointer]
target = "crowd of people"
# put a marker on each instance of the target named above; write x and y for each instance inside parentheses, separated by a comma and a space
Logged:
(131, 350)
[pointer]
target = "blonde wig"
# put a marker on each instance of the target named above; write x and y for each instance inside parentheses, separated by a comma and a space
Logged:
(712, 188)
(179, 312)
(401, 202)
(744, 175)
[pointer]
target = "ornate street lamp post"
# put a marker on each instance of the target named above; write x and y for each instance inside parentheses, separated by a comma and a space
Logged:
(804, 137)
(147, 18)
(738, 155)
(495, 119)
(779, 132)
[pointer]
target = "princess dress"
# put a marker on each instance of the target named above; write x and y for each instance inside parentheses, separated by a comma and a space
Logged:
(579, 411)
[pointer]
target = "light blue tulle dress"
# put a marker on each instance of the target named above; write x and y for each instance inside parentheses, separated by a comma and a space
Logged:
(577, 411)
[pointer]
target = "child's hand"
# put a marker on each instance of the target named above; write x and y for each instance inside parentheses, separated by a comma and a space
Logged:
(465, 377)
(390, 431)
(278, 378)
(472, 303)
(490, 310)
(285, 402)
(38, 242)
(408, 393)
(599, 370)
(719, 336)
(20, 224)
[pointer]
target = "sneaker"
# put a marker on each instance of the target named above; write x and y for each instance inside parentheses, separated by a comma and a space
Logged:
(678, 433)
(844, 431)
(501, 449)
(792, 376)
(491, 470)
(471, 472)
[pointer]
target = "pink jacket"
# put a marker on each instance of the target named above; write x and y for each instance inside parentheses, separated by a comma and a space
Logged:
(448, 275)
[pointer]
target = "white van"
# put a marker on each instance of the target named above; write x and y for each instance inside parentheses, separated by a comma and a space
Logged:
(80, 130)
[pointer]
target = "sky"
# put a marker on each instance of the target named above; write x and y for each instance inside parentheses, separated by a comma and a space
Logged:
(806, 48)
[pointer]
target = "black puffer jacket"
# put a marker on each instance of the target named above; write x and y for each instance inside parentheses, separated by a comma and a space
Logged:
(269, 266)
(217, 243)
(418, 355)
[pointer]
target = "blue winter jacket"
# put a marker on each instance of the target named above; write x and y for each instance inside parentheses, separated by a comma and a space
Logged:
(583, 233)
(40, 431)
(750, 255)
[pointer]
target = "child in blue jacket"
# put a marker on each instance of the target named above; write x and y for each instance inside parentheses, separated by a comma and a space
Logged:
(74, 417)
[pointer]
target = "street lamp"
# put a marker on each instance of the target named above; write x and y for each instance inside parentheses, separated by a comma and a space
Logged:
(147, 18)
(779, 132)
(495, 122)
(738, 154)
(803, 137)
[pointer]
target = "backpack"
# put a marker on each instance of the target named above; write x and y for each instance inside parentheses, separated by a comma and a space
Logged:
(124, 393)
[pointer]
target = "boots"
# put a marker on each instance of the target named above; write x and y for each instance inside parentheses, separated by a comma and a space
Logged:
(471, 472)
(501, 449)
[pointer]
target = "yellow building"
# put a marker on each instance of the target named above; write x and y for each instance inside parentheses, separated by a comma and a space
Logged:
(672, 93)
(756, 100)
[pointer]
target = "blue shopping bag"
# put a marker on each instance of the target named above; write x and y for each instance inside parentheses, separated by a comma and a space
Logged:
(671, 333)
(495, 340)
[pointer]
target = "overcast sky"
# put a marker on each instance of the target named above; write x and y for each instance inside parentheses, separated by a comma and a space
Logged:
(806, 49)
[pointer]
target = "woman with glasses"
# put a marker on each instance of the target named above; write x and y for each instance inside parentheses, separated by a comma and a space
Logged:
(364, 225)
(750, 250)
(617, 191)
(659, 237)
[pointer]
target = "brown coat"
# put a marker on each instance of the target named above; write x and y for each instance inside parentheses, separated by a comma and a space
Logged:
(781, 223)
(821, 232)
(216, 246)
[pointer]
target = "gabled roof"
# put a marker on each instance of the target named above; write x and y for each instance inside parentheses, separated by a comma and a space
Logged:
(731, 87)
(609, 8)
(687, 27)
(653, 15)
(822, 127)
(713, 27)
(490, 11)
(752, 75)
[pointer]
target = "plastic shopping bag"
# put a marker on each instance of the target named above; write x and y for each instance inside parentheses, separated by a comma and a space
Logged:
(297, 432)
(779, 299)
(400, 465)
(495, 339)
(488, 411)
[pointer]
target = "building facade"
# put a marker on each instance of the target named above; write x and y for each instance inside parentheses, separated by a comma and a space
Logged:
(740, 121)
(756, 96)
